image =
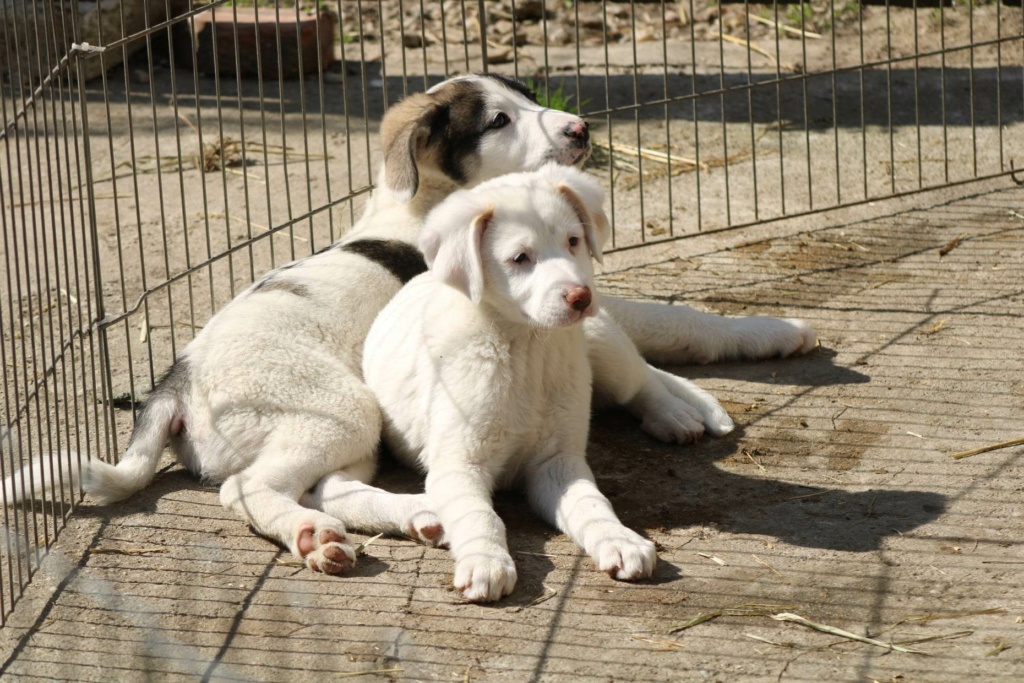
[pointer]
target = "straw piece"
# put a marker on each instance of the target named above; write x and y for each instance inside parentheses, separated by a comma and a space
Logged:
(940, 636)
(696, 621)
(745, 43)
(667, 645)
(832, 630)
(353, 674)
(783, 27)
(926, 618)
(765, 564)
(363, 546)
(986, 449)
(952, 244)
(128, 551)
(714, 559)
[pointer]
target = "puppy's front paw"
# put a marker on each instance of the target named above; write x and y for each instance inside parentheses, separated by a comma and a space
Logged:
(325, 547)
(425, 527)
(672, 421)
(485, 578)
(624, 554)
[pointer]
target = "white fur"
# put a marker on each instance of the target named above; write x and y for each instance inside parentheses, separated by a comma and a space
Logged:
(481, 369)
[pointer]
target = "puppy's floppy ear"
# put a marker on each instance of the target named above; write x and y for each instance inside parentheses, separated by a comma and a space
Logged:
(404, 133)
(451, 243)
(586, 198)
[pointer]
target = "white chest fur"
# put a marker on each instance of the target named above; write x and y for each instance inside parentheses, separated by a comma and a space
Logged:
(451, 377)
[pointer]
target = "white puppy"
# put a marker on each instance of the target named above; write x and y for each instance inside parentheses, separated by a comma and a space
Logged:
(481, 369)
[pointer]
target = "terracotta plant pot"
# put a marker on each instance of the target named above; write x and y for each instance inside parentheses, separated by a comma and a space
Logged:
(212, 42)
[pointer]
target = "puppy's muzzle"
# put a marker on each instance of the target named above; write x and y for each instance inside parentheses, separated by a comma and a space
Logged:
(578, 298)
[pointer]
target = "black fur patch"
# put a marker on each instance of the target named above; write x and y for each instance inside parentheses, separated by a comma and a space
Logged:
(513, 84)
(175, 382)
(403, 260)
(456, 128)
(278, 284)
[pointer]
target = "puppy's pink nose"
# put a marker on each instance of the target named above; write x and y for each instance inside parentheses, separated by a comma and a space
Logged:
(578, 131)
(578, 298)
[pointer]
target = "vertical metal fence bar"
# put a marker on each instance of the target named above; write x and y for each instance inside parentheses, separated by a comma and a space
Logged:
(942, 90)
(346, 106)
(917, 98)
(239, 89)
(515, 42)
(423, 45)
(888, 92)
(971, 90)
(750, 108)
(723, 103)
(444, 39)
(696, 118)
(320, 48)
(365, 92)
(219, 101)
(636, 118)
(482, 14)
(999, 82)
(178, 118)
(200, 142)
(835, 107)
(863, 117)
(608, 122)
(261, 94)
(807, 120)
(780, 122)
(667, 109)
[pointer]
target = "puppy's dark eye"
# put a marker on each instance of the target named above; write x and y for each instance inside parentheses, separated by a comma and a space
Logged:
(573, 241)
(500, 120)
(520, 259)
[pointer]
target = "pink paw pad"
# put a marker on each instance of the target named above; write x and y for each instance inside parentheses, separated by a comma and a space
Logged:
(327, 551)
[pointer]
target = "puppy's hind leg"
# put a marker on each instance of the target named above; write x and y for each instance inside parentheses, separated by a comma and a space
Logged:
(267, 498)
(680, 334)
(345, 495)
(623, 378)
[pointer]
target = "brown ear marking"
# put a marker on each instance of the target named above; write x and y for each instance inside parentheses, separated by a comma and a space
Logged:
(402, 131)
(484, 218)
(595, 225)
(576, 203)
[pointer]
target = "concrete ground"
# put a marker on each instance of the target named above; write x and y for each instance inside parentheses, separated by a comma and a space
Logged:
(836, 499)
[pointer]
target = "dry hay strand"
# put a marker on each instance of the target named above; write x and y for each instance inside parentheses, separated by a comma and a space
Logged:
(985, 449)
(675, 165)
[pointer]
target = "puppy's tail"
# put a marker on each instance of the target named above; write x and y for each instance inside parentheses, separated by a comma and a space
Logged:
(61, 470)
(160, 417)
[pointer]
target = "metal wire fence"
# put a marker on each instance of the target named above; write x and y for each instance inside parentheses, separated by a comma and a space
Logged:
(158, 156)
